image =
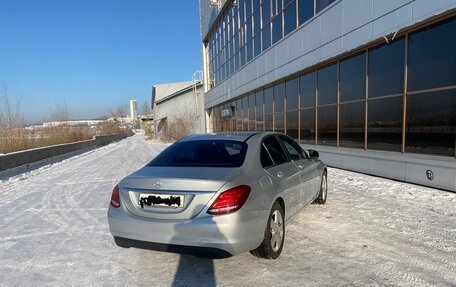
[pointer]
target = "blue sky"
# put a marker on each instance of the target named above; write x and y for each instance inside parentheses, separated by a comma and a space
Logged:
(94, 54)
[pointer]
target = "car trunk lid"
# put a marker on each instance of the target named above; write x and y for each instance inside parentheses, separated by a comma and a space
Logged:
(162, 188)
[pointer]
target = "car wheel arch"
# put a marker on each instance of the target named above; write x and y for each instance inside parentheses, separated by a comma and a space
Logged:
(282, 204)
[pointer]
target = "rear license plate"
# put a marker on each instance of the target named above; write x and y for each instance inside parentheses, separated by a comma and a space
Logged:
(161, 200)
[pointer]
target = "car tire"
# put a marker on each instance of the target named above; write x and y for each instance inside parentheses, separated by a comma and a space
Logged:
(323, 194)
(274, 235)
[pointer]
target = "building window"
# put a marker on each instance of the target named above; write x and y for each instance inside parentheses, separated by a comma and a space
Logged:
(307, 89)
(307, 126)
(266, 36)
(268, 109)
(249, 51)
(245, 113)
(431, 123)
(351, 125)
(432, 57)
(256, 22)
(289, 18)
(327, 85)
(305, 10)
(292, 106)
(252, 112)
(259, 111)
(327, 115)
(327, 125)
(248, 8)
(386, 69)
(256, 4)
(431, 113)
(307, 94)
(292, 124)
(322, 4)
(384, 124)
(239, 115)
(353, 78)
(279, 101)
(386, 79)
(292, 94)
(277, 29)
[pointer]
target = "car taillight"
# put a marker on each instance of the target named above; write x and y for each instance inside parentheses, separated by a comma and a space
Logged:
(230, 200)
(115, 199)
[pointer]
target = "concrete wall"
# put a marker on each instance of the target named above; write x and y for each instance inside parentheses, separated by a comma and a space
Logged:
(341, 27)
(182, 105)
(25, 157)
(395, 165)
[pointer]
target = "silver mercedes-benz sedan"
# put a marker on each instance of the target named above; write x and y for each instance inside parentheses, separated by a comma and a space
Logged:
(218, 195)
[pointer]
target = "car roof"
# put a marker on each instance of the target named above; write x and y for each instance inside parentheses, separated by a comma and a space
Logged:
(237, 136)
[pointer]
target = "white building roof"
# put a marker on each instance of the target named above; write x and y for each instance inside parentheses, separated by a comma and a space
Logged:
(164, 90)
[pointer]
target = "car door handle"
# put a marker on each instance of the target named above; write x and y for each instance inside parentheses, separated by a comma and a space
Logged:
(280, 174)
(300, 166)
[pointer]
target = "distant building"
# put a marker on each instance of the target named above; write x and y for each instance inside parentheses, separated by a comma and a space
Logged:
(183, 100)
(370, 84)
(133, 109)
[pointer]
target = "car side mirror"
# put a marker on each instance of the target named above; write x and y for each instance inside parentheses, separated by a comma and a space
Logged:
(313, 154)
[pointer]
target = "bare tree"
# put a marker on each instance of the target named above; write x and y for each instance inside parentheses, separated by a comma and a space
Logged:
(180, 126)
(12, 124)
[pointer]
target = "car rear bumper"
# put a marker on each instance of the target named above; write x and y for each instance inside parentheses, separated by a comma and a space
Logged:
(232, 233)
(181, 249)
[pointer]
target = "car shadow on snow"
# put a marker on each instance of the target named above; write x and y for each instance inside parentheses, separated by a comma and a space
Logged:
(194, 271)
(196, 267)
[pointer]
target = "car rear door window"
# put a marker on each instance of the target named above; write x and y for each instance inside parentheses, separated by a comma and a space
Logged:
(266, 160)
(275, 150)
(293, 149)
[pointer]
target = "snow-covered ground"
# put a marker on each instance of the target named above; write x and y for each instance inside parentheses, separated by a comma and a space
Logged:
(372, 232)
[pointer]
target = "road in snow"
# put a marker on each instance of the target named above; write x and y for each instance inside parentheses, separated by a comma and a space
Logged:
(372, 232)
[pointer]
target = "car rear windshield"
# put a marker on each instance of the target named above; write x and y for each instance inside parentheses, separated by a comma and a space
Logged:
(203, 153)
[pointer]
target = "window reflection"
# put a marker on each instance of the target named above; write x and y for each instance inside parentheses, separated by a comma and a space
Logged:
(245, 113)
(291, 88)
(386, 69)
(384, 130)
(289, 18)
(277, 28)
(432, 57)
(290, 106)
(306, 10)
(353, 78)
(259, 111)
(268, 98)
(322, 4)
(431, 123)
(307, 89)
(327, 126)
(327, 85)
(279, 97)
(292, 124)
(351, 126)
(307, 126)
(252, 112)
(239, 115)
(279, 122)
(268, 123)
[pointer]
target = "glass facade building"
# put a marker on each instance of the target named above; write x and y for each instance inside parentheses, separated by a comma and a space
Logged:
(249, 27)
(358, 101)
(395, 94)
